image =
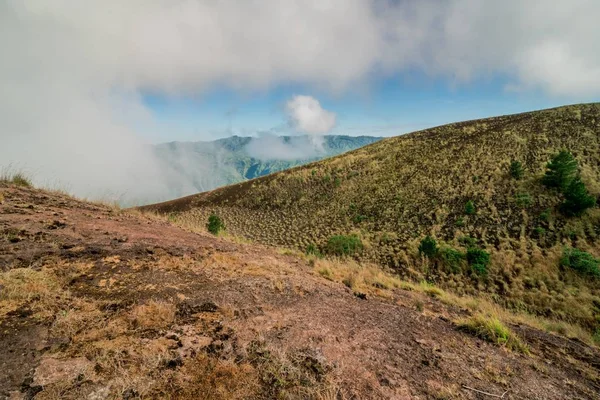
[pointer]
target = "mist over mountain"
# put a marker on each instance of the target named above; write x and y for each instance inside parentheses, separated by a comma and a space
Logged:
(206, 165)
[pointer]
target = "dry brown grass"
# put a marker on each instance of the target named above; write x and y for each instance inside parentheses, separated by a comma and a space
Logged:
(79, 315)
(24, 287)
(155, 314)
(206, 378)
(368, 279)
(483, 305)
(371, 279)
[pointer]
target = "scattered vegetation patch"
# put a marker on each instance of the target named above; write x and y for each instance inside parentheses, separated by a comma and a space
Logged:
(428, 247)
(368, 279)
(313, 250)
(492, 330)
(343, 245)
(478, 260)
(560, 171)
(516, 170)
(467, 241)
(596, 337)
(18, 178)
(215, 224)
(470, 208)
(581, 261)
(539, 231)
(577, 199)
(523, 200)
(430, 289)
(38, 291)
(298, 374)
(153, 315)
(452, 258)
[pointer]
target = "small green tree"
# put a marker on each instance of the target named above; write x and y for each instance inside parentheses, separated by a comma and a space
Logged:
(516, 169)
(470, 208)
(577, 199)
(560, 171)
(478, 260)
(428, 247)
(215, 224)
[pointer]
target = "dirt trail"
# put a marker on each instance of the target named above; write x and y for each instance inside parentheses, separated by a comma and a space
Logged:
(144, 309)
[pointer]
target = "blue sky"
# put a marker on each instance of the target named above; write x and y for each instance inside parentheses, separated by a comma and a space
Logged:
(386, 107)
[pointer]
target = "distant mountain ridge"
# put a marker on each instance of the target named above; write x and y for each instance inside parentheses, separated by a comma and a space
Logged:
(207, 165)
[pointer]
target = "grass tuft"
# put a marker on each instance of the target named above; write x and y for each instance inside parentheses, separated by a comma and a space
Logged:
(494, 331)
(19, 178)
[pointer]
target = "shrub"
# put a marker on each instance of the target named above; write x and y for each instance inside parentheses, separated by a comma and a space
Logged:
(561, 171)
(451, 258)
(545, 215)
(479, 269)
(467, 241)
(577, 199)
(428, 247)
(581, 261)
(343, 245)
(492, 330)
(358, 218)
(516, 169)
(539, 231)
(215, 224)
(478, 260)
(470, 208)
(596, 337)
(312, 249)
(523, 199)
(460, 222)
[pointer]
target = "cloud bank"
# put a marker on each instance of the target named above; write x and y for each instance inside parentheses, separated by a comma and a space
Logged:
(271, 147)
(72, 72)
(307, 116)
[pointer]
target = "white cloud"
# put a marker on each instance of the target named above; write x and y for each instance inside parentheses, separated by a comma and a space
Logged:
(72, 71)
(307, 116)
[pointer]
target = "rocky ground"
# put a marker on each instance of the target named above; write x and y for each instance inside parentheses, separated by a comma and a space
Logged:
(100, 303)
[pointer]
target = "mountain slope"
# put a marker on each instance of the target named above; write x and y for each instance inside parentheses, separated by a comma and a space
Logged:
(101, 303)
(395, 192)
(207, 165)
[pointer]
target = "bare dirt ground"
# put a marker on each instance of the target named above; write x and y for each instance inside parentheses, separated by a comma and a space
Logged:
(104, 304)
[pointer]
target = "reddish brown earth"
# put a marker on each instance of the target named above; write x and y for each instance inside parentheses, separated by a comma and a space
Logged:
(230, 320)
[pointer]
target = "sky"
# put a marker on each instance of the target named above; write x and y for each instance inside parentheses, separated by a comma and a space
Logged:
(86, 86)
(391, 107)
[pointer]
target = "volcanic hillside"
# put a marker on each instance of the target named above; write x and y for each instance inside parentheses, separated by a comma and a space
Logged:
(453, 183)
(101, 303)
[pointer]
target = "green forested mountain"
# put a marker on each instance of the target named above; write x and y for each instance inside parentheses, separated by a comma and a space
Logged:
(210, 164)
